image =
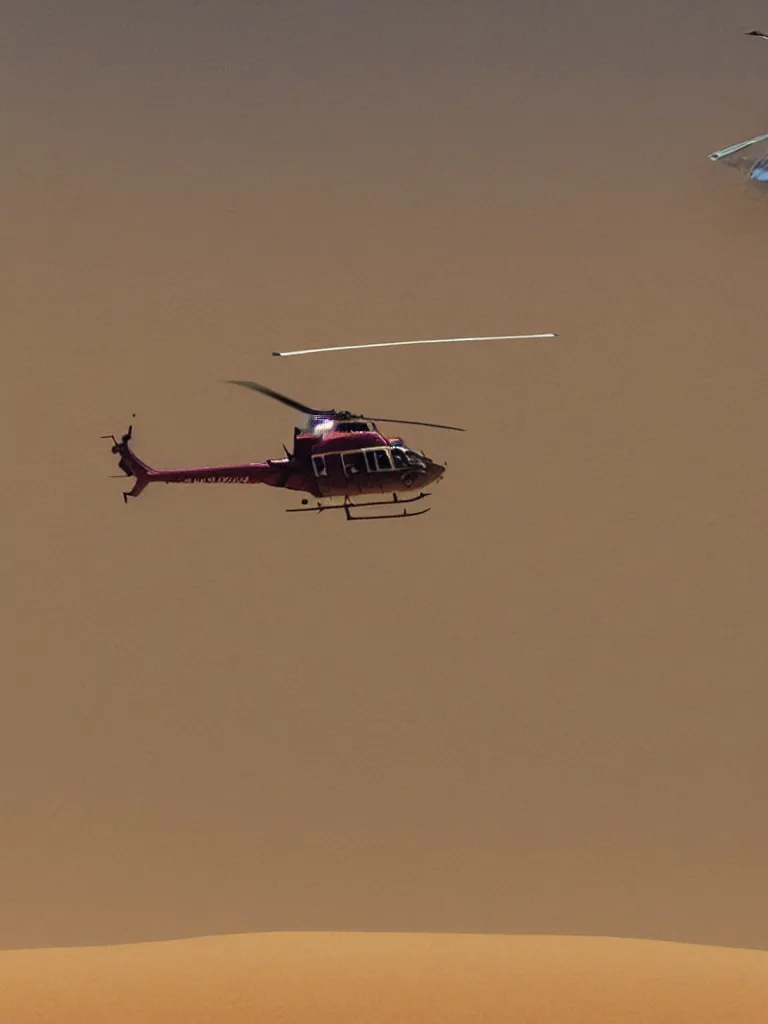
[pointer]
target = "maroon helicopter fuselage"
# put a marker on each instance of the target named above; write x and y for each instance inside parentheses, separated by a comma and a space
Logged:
(340, 461)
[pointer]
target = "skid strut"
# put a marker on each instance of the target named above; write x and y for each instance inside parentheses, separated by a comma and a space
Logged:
(348, 505)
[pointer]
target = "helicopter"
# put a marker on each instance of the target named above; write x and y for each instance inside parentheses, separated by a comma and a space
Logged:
(335, 454)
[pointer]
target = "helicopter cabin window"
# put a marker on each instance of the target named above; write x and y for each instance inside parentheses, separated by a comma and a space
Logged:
(319, 466)
(378, 460)
(398, 458)
(353, 463)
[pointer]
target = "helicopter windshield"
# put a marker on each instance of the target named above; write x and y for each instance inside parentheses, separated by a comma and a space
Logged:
(413, 458)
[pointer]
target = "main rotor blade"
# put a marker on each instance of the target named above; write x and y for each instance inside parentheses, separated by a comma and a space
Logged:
(416, 423)
(730, 150)
(424, 341)
(278, 397)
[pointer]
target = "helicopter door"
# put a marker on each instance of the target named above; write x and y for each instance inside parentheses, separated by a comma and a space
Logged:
(333, 465)
(353, 463)
(378, 460)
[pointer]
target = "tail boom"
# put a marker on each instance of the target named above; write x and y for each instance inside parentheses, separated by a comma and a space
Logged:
(273, 472)
(247, 473)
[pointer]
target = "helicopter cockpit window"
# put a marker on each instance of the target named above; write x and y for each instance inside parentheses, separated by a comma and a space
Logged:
(319, 466)
(353, 462)
(398, 458)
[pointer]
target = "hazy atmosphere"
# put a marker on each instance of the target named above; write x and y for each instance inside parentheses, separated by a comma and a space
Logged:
(538, 709)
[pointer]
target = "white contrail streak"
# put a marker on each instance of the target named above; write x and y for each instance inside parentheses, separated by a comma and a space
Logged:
(425, 341)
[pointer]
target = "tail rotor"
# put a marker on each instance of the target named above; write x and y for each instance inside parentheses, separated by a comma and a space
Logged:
(129, 463)
(117, 445)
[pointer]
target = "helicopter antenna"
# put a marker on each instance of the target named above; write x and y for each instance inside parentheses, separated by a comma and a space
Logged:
(425, 341)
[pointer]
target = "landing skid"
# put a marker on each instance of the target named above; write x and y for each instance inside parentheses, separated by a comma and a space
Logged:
(348, 505)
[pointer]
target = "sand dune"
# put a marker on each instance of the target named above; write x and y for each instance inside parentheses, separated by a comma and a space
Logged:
(339, 978)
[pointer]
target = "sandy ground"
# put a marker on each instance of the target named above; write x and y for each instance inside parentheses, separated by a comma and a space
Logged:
(351, 977)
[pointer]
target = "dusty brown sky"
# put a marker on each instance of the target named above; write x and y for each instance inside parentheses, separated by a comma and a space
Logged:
(542, 707)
